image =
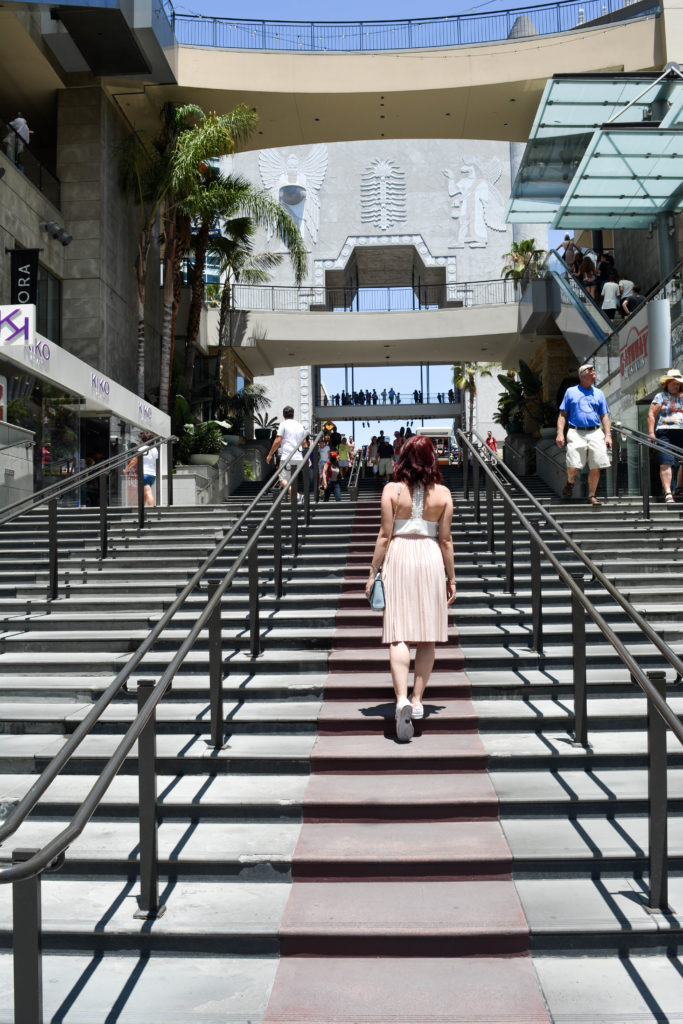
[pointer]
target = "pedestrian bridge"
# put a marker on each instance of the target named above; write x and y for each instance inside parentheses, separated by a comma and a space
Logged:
(272, 326)
(474, 77)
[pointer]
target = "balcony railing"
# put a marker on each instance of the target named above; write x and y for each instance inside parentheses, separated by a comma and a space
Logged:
(407, 34)
(14, 147)
(390, 299)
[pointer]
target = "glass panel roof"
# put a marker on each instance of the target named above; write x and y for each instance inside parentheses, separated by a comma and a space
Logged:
(605, 151)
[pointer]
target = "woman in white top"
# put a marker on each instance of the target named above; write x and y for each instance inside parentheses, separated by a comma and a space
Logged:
(415, 551)
(150, 456)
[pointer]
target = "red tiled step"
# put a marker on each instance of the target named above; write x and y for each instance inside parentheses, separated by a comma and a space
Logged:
(444, 919)
(443, 797)
(375, 684)
(368, 635)
(431, 991)
(338, 851)
(359, 716)
(371, 752)
(373, 656)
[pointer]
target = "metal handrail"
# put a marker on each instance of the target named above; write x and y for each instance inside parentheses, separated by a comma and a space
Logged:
(572, 280)
(657, 444)
(674, 660)
(399, 298)
(43, 858)
(677, 270)
(17, 444)
(62, 487)
(661, 705)
(412, 33)
(354, 476)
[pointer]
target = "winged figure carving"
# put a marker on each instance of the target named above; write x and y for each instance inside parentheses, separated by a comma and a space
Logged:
(296, 184)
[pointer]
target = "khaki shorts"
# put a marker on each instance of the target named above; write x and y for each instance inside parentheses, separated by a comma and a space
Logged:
(587, 447)
(386, 466)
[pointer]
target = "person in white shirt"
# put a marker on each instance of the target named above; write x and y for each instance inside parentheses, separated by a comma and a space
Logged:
(610, 296)
(150, 455)
(287, 441)
(625, 288)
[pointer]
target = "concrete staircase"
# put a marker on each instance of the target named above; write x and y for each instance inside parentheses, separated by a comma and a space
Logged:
(479, 863)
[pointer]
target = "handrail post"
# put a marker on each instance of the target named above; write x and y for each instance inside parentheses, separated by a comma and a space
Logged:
(490, 537)
(147, 793)
(615, 463)
(657, 799)
(53, 575)
(104, 488)
(27, 944)
(316, 474)
(509, 548)
(277, 549)
(645, 479)
(579, 664)
(465, 472)
(294, 515)
(306, 473)
(169, 472)
(536, 595)
(141, 493)
(476, 490)
(254, 624)
(215, 669)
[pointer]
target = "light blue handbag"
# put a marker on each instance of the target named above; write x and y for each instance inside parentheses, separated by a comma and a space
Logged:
(377, 600)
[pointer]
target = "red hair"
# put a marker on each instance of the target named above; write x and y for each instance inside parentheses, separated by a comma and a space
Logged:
(417, 462)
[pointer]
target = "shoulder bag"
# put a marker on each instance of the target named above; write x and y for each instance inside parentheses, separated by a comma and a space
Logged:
(377, 595)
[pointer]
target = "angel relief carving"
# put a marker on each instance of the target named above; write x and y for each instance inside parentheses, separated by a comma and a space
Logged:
(477, 203)
(296, 184)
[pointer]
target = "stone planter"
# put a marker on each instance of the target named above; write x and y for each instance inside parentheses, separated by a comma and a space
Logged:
(201, 459)
(233, 438)
(548, 431)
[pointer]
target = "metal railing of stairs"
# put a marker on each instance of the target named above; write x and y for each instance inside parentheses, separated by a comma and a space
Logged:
(607, 352)
(100, 472)
(580, 297)
(646, 446)
(28, 865)
(500, 478)
(354, 476)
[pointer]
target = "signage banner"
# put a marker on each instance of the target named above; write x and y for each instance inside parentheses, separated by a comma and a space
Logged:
(24, 276)
(645, 343)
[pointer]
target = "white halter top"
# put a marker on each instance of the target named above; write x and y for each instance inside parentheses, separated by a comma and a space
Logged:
(416, 525)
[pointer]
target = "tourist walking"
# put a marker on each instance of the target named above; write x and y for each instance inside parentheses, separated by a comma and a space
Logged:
(414, 551)
(150, 455)
(584, 410)
(665, 423)
(332, 478)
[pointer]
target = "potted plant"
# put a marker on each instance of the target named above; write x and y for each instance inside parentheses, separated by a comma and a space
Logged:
(201, 443)
(524, 262)
(266, 425)
(239, 409)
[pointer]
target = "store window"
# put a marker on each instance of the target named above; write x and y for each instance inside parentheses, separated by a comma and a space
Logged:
(49, 306)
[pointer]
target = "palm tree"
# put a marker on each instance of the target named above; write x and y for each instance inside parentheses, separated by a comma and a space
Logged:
(190, 148)
(238, 264)
(215, 197)
(144, 175)
(464, 379)
(524, 260)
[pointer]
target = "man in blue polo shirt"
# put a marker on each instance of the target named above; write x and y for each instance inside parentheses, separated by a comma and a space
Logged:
(585, 413)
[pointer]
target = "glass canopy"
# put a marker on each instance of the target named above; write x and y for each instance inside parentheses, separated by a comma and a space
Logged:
(605, 151)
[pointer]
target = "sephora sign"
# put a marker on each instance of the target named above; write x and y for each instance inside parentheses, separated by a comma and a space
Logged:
(645, 343)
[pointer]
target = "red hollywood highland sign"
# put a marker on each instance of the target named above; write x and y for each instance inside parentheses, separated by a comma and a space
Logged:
(633, 354)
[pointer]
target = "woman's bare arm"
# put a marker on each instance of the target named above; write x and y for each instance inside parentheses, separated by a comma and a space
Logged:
(446, 545)
(652, 413)
(383, 537)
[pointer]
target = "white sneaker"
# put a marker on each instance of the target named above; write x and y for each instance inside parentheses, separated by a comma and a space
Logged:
(418, 710)
(404, 725)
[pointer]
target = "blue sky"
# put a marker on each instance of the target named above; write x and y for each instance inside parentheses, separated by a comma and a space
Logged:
(352, 10)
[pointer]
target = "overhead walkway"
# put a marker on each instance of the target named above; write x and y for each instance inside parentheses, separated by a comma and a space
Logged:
(276, 326)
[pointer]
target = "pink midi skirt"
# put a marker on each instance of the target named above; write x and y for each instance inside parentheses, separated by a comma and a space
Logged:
(415, 592)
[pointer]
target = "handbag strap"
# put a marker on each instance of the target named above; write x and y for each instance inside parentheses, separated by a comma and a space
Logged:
(379, 571)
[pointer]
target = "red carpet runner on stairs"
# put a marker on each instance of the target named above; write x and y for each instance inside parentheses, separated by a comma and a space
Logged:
(403, 907)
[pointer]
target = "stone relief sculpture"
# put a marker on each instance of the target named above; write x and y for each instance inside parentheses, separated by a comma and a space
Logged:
(296, 184)
(477, 204)
(383, 194)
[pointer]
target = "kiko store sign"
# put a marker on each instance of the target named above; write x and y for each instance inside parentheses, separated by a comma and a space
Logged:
(645, 343)
(20, 344)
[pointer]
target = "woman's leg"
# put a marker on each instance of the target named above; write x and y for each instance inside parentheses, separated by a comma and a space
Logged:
(665, 477)
(399, 659)
(149, 497)
(424, 663)
(337, 491)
